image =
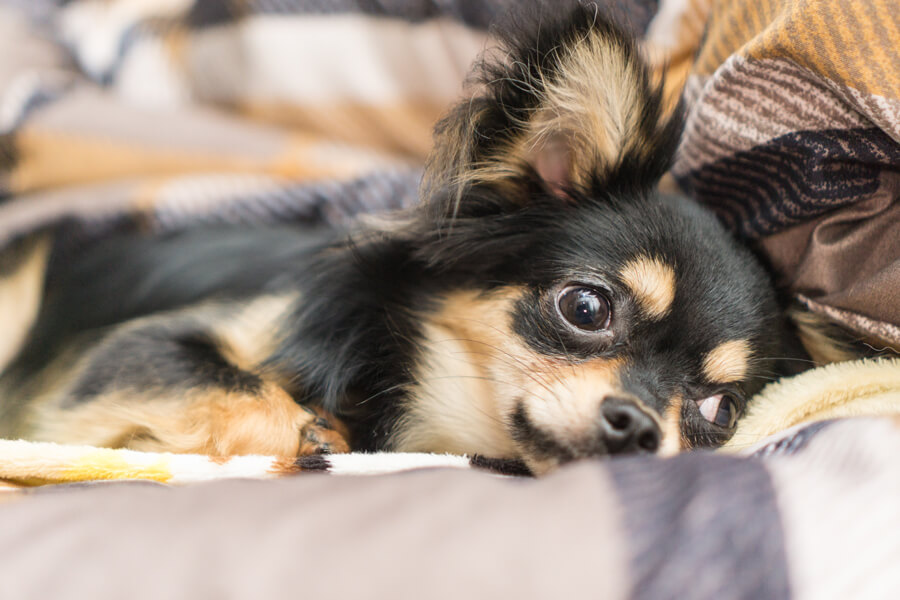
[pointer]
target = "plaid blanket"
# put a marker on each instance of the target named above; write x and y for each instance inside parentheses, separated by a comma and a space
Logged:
(149, 117)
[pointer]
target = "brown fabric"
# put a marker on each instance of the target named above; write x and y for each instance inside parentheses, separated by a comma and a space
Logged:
(848, 260)
(435, 534)
(792, 131)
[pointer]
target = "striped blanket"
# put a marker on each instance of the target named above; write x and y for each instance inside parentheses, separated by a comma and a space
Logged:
(156, 115)
(812, 515)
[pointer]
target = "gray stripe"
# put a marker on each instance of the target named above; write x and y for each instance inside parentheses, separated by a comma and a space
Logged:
(9, 156)
(332, 202)
(702, 526)
(793, 443)
(335, 202)
(479, 14)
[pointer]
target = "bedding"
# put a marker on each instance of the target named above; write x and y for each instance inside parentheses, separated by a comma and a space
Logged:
(150, 117)
(810, 515)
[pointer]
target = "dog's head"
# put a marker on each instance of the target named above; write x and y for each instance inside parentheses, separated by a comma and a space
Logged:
(588, 315)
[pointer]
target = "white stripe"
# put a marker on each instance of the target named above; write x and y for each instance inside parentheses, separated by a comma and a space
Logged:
(94, 28)
(301, 59)
(191, 468)
(149, 78)
(386, 462)
(671, 17)
(22, 90)
(294, 59)
(838, 503)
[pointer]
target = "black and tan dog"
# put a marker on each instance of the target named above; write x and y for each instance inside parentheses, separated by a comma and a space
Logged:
(543, 302)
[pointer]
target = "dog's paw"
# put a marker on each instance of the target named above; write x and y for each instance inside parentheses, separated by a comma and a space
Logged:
(323, 434)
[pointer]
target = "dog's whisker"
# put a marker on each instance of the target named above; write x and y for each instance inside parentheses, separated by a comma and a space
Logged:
(782, 358)
(498, 354)
(521, 368)
(490, 379)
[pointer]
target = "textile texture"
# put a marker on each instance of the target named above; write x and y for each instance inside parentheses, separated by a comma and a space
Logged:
(808, 515)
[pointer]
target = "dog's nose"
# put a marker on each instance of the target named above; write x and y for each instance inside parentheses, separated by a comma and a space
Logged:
(627, 428)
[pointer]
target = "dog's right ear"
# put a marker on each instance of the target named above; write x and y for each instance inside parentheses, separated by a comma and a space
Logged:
(566, 105)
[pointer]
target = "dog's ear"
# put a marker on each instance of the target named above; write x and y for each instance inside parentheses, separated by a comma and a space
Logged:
(567, 104)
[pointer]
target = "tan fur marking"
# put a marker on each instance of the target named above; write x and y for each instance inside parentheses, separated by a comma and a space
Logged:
(578, 390)
(471, 364)
(672, 439)
(473, 373)
(588, 115)
(595, 102)
(251, 336)
(203, 421)
(727, 362)
(652, 282)
(824, 341)
(20, 298)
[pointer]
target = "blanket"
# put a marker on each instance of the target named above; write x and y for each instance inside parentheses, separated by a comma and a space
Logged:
(811, 516)
(149, 117)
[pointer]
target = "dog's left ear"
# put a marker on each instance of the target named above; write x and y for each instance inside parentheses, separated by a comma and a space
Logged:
(569, 105)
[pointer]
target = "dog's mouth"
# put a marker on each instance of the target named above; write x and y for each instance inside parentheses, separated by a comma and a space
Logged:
(622, 427)
(540, 449)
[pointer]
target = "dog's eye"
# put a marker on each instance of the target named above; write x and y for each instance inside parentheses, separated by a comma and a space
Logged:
(721, 410)
(584, 307)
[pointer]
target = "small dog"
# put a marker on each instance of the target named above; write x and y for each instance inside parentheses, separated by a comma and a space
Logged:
(543, 302)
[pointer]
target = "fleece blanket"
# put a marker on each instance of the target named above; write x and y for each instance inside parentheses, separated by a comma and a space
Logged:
(147, 117)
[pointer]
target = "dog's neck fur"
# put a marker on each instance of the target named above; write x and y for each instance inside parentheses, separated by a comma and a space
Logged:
(378, 293)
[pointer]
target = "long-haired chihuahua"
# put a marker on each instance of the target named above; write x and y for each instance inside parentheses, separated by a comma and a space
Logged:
(543, 302)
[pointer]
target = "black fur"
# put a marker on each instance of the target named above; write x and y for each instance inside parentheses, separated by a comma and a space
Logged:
(538, 443)
(171, 356)
(533, 40)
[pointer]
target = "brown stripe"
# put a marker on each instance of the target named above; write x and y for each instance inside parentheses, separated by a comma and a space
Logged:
(854, 44)
(865, 48)
(793, 92)
(52, 159)
(887, 14)
(876, 19)
(882, 330)
(9, 157)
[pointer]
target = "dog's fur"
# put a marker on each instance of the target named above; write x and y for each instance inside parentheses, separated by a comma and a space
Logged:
(442, 328)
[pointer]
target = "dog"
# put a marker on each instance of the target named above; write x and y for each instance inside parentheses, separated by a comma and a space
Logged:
(543, 302)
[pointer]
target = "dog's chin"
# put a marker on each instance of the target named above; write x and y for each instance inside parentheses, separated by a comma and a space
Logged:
(543, 466)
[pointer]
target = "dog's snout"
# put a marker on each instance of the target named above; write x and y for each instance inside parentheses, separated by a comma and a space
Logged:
(627, 428)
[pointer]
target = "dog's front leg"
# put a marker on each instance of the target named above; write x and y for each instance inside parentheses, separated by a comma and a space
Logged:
(167, 385)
